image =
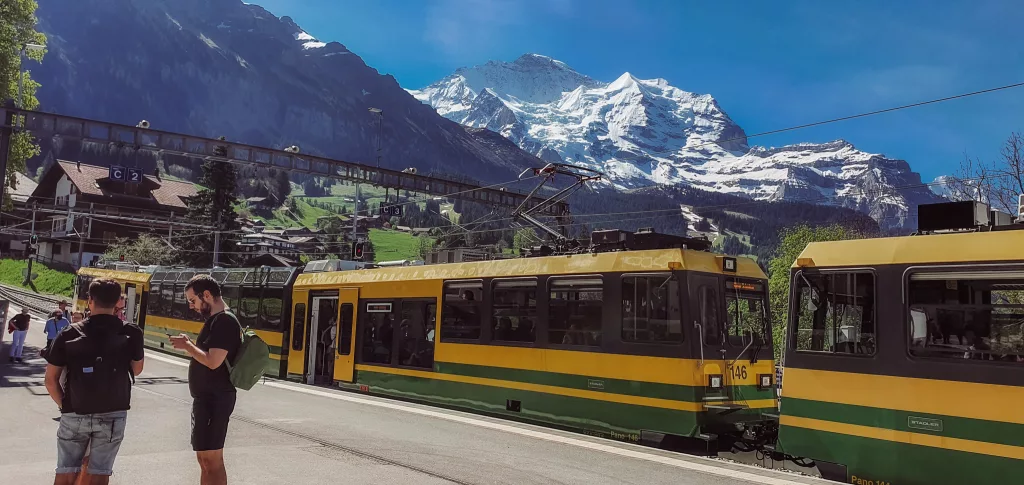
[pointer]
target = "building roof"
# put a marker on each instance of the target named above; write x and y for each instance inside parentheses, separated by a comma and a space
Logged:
(171, 193)
(25, 187)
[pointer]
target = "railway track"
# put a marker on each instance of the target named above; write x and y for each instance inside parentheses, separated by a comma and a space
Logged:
(21, 298)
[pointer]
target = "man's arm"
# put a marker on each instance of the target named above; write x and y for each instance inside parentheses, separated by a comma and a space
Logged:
(52, 381)
(137, 366)
(212, 358)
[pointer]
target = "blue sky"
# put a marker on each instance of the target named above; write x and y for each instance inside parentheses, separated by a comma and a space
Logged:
(769, 64)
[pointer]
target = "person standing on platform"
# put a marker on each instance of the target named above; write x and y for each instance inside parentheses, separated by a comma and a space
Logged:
(18, 327)
(102, 356)
(209, 380)
(63, 306)
(54, 325)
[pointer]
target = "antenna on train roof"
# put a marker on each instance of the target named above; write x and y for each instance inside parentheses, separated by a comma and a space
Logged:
(561, 241)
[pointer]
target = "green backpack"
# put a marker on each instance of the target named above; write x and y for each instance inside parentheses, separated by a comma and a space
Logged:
(251, 361)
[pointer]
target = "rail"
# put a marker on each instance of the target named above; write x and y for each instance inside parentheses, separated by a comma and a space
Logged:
(21, 298)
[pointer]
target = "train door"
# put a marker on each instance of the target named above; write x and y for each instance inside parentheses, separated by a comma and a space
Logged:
(131, 303)
(344, 358)
(323, 325)
(708, 322)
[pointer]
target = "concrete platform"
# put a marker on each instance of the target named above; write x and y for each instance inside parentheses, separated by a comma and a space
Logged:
(284, 432)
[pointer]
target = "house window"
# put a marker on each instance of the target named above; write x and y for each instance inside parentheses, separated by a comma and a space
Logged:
(109, 236)
(59, 224)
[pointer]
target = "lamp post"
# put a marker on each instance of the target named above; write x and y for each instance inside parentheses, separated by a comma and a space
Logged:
(380, 121)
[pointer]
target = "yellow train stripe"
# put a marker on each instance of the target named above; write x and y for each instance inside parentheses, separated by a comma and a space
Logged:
(164, 336)
(919, 439)
(989, 402)
(660, 370)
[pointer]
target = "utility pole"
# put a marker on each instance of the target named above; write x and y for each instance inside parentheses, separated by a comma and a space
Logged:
(82, 236)
(32, 237)
(380, 130)
(216, 248)
(355, 223)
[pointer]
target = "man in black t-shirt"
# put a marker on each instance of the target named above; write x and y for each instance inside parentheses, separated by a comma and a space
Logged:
(213, 395)
(101, 355)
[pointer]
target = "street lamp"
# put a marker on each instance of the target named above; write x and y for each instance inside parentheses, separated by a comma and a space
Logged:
(21, 76)
(380, 121)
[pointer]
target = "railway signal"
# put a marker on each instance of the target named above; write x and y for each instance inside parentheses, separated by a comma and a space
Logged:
(357, 251)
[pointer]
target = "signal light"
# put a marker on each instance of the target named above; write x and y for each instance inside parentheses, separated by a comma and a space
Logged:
(33, 239)
(357, 251)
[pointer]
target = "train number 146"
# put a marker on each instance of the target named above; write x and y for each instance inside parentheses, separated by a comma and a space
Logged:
(739, 372)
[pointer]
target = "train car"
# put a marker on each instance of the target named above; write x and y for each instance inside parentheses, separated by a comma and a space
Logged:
(134, 285)
(644, 345)
(259, 297)
(633, 345)
(905, 355)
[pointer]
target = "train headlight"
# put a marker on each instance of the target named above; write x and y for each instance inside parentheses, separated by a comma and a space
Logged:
(715, 381)
(764, 381)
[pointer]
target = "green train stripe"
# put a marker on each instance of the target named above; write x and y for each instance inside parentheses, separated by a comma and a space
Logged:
(617, 420)
(612, 386)
(274, 349)
(880, 461)
(1011, 434)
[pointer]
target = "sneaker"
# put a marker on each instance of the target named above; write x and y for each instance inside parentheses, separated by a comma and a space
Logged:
(19, 360)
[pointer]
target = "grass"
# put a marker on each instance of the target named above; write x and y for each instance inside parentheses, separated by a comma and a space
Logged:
(393, 245)
(305, 217)
(49, 282)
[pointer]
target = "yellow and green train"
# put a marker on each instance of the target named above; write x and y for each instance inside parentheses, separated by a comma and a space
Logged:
(905, 355)
(637, 345)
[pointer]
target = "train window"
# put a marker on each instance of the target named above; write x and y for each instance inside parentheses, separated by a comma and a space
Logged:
(271, 307)
(378, 323)
(249, 307)
(83, 287)
(179, 309)
(574, 308)
(650, 309)
(836, 313)
(416, 344)
(710, 324)
(515, 310)
(345, 339)
(745, 312)
(972, 316)
(298, 325)
(460, 314)
(167, 299)
(153, 303)
(231, 295)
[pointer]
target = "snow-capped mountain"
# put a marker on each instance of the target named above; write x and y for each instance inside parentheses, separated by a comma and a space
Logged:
(644, 132)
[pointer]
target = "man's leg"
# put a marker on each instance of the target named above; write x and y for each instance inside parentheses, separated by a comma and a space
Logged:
(107, 435)
(210, 417)
(211, 465)
(72, 441)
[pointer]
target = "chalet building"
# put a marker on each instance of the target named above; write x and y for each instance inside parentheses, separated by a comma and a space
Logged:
(17, 223)
(100, 210)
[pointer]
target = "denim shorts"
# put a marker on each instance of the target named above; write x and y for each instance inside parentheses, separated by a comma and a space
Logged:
(99, 434)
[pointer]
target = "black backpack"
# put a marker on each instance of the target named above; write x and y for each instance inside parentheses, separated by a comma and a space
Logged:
(99, 375)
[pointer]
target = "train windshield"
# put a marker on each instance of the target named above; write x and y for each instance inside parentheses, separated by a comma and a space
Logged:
(975, 316)
(745, 309)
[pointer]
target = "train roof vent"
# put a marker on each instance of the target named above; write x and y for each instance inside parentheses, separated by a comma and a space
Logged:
(952, 216)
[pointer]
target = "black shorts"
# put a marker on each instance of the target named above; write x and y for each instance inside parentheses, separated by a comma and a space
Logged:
(210, 416)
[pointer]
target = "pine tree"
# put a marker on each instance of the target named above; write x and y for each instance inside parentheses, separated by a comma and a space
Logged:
(214, 205)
